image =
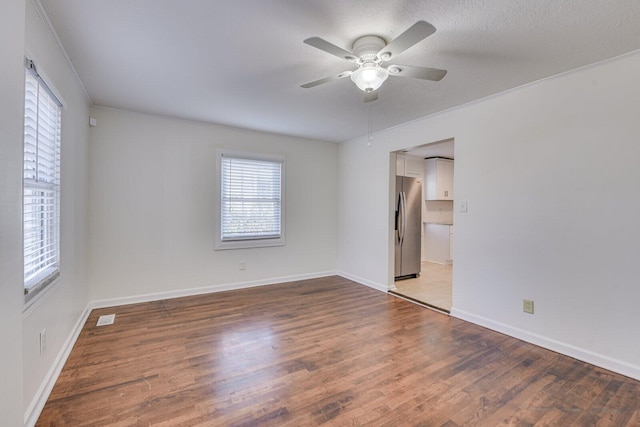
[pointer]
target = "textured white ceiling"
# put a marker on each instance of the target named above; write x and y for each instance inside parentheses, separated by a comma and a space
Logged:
(241, 63)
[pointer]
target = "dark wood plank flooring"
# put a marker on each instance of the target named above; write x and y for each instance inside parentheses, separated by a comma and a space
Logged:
(322, 351)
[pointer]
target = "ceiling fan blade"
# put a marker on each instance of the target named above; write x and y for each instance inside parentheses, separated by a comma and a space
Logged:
(433, 74)
(417, 32)
(370, 96)
(326, 79)
(331, 48)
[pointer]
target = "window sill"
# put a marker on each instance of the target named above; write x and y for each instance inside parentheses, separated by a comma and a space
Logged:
(248, 244)
(39, 298)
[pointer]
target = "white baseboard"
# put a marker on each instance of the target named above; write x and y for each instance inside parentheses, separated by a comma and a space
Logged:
(113, 302)
(363, 281)
(440, 262)
(37, 404)
(618, 366)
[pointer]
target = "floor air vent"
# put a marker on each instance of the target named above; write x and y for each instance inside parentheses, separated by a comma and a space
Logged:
(107, 319)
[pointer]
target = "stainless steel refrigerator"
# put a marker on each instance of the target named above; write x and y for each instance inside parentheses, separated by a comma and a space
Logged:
(408, 233)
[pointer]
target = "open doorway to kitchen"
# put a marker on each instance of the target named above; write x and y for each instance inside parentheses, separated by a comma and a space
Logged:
(424, 270)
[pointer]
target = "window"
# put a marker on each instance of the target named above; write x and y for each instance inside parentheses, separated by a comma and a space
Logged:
(41, 184)
(251, 201)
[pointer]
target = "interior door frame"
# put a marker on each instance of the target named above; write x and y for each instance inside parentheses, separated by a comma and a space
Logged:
(391, 205)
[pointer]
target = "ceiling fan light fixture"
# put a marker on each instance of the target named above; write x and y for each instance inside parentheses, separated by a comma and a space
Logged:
(369, 77)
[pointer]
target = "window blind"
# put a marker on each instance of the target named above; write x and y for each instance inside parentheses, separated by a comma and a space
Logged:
(251, 203)
(41, 183)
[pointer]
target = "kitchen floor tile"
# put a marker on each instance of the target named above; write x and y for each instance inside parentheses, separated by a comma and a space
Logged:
(433, 287)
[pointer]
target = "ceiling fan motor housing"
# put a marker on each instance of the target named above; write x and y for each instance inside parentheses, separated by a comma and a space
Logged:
(366, 48)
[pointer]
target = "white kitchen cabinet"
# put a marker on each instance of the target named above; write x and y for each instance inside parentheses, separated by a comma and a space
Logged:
(409, 166)
(451, 243)
(438, 176)
(437, 243)
(414, 167)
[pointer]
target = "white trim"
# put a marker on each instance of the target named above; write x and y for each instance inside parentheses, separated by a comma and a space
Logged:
(44, 79)
(249, 243)
(416, 302)
(494, 95)
(113, 302)
(363, 281)
(606, 362)
(40, 399)
(35, 302)
(42, 14)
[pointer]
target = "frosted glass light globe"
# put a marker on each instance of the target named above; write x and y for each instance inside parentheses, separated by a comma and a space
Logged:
(369, 78)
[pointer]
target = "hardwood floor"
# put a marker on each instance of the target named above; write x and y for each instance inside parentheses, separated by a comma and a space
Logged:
(322, 351)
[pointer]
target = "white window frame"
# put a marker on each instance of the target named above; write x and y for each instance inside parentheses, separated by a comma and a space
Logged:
(41, 174)
(245, 243)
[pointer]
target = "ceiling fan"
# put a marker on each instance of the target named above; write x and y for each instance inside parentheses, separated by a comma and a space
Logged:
(370, 53)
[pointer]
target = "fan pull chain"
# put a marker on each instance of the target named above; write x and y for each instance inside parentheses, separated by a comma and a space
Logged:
(370, 133)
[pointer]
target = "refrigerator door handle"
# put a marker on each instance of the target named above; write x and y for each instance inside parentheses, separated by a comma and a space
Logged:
(404, 216)
(398, 218)
(404, 223)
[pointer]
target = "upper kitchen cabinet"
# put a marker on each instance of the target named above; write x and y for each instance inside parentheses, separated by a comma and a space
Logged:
(438, 177)
(409, 166)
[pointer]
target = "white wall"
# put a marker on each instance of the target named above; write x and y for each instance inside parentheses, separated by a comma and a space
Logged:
(11, 285)
(550, 172)
(60, 310)
(152, 207)
(365, 221)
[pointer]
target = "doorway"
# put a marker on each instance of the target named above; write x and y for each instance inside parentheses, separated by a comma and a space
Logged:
(433, 165)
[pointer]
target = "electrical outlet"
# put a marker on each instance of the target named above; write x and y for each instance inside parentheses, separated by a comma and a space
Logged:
(527, 306)
(243, 266)
(463, 206)
(43, 341)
